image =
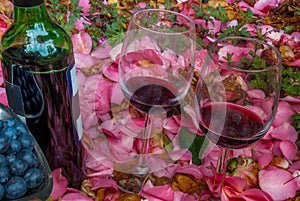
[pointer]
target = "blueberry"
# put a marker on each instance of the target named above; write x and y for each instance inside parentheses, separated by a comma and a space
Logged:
(18, 167)
(10, 132)
(33, 177)
(27, 141)
(10, 122)
(4, 144)
(21, 128)
(4, 174)
(3, 161)
(1, 192)
(15, 147)
(15, 188)
(1, 124)
(28, 157)
(10, 158)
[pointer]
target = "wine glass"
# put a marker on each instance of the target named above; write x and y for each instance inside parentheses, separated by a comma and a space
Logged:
(237, 95)
(156, 66)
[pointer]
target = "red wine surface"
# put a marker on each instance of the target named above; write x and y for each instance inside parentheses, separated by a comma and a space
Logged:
(230, 125)
(147, 93)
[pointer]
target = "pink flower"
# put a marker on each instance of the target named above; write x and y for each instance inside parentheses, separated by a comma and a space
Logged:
(60, 184)
(278, 183)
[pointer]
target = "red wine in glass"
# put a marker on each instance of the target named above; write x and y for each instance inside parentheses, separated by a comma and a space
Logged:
(150, 93)
(230, 125)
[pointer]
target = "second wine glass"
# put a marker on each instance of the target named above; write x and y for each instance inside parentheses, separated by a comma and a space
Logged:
(237, 95)
(156, 67)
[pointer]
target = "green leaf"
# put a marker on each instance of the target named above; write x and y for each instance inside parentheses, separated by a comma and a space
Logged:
(296, 122)
(291, 81)
(194, 143)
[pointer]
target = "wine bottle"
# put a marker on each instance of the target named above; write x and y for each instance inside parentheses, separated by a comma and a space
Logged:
(40, 81)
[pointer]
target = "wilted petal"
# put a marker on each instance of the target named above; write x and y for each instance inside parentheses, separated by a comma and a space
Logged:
(278, 183)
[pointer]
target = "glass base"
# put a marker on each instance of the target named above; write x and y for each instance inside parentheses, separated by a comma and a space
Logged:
(129, 183)
(131, 177)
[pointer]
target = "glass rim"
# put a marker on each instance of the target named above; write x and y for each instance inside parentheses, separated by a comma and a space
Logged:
(213, 44)
(190, 20)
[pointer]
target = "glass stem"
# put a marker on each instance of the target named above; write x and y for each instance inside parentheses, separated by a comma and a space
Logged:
(145, 144)
(220, 172)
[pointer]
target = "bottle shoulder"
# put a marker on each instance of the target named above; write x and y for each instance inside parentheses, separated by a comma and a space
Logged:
(46, 38)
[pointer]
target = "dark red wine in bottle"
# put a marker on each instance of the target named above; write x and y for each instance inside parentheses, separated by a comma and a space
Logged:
(41, 85)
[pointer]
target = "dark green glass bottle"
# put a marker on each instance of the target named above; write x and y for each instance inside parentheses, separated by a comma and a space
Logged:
(41, 85)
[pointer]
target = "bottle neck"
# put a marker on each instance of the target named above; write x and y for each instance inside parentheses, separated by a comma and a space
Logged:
(30, 11)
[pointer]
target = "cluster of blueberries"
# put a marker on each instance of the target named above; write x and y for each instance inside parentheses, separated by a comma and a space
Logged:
(19, 165)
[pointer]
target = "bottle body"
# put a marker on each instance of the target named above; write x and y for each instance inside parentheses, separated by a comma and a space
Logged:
(40, 81)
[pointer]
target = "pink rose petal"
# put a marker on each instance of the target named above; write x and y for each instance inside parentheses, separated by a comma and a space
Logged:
(255, 194)
(86, 6)
(275, 183)
(102, 52)
(289, 150)
(265, 5)
(285, 132)
(157, 193)
(82, 42)
(76, 196)
(60, 184)
(284, 113)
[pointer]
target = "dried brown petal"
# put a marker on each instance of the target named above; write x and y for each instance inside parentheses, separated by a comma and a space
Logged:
(269, 56)
(280, 162)
(129, 197)
(186, 183)
(287, 52)
(86, 187)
